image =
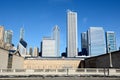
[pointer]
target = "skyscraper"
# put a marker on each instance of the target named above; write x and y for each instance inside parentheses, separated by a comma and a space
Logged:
(31, 51)
(8, 36)
(36, 52)
(72, 34)
(48, 47)
(84, 43)
(56, 37)
(110, 41)
(21, 33)
(22, 46)
(96, 41)
(1, 33)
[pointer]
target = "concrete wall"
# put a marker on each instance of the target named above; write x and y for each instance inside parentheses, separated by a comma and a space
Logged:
(17, 62)
(50, 63)
(14, 62)
(103, 61)
(61, 72)
(3, 58)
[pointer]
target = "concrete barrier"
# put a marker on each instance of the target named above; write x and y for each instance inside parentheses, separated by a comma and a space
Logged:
(61, 72)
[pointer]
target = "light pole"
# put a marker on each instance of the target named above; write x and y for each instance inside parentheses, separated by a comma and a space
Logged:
(110, 56)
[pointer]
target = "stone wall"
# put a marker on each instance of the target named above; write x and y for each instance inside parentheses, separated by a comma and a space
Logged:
(50, 63)
(17, 62)
(103, 61)
(3, 58)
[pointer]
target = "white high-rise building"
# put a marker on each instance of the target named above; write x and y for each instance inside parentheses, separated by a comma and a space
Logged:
(21, 33)
(72, 34)
(48, 47)
(22, 46)
(8, 36)
(56, 37)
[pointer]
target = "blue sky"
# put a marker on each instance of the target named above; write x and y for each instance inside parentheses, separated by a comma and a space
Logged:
(40, 16)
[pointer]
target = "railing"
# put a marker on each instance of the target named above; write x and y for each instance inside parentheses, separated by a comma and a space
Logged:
(63, 72)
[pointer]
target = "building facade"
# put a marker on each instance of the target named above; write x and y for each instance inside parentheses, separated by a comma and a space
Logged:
(22, 47)
(72, 34)
(10, 60)
(31, 51)
(56, 37)
(8, 36)
(48, 47)
(51, 63)
(84, 44)
(110, 41)
(3, 58)
(36, 52)
(22, 33)
(96, 41)
(1, 33)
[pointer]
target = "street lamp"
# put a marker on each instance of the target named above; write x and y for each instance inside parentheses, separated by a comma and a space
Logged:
(110, 56)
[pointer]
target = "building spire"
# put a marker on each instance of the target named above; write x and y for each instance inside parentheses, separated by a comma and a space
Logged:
(22, 32)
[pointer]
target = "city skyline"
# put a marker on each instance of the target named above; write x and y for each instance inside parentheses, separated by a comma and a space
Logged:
(38, 20)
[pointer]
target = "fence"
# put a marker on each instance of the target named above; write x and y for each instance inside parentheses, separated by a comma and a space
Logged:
(62, 72)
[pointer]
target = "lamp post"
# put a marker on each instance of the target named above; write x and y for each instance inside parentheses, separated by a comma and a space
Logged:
(110, 56)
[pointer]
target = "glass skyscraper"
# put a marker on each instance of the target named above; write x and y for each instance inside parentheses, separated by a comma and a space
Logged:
(22, 46)
(8, 36)
(110, 41)
(21, 33)
(96, 41)
(56, 37)
(72, 34)
(84, 43)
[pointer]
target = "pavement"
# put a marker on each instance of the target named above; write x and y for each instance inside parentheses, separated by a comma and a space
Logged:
(60, 78)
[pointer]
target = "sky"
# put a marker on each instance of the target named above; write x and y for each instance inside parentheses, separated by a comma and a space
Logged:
(38, 17)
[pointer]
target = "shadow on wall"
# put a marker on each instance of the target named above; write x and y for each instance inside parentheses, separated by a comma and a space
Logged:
(82, 64)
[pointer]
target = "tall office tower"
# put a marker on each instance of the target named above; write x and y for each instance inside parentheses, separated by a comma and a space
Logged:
(110, 41)
(8, 36)
(31, 51)
(36, 52)
(48, 47)
(84, 44)
(72, 34)
(1, 33)
(22, 47)
(21, 33)
(56, 37)
(96, 41)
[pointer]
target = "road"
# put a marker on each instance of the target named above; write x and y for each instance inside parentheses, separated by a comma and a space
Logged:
(62, 78)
